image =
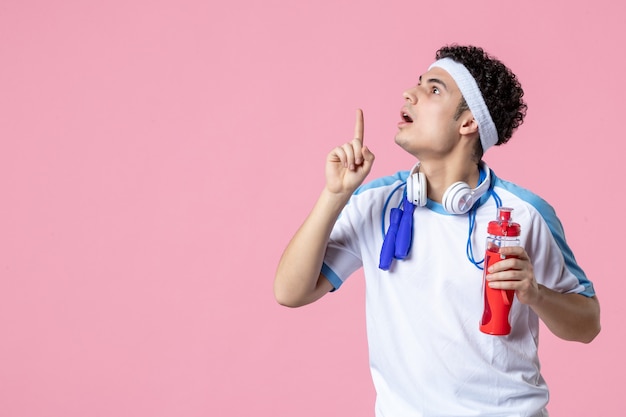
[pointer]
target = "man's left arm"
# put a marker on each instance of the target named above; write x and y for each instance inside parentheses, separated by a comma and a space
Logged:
(569, 316)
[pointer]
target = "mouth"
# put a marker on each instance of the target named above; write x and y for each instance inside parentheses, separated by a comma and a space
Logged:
(406, 117)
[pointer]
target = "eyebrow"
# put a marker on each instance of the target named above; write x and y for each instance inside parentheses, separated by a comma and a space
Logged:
(435, 81)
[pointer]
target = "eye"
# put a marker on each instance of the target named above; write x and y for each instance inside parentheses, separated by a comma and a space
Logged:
(436, 90)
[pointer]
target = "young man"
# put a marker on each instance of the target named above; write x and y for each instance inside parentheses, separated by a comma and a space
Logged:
(424, 289)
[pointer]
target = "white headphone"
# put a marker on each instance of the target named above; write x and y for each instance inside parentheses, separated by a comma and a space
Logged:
(458, 198)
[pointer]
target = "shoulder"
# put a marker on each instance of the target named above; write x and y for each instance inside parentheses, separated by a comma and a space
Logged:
(523, 194)
(380, 189)
(532, 201)
(371, 199)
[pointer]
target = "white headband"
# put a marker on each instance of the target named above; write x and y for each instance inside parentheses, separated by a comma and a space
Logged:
(473, 98)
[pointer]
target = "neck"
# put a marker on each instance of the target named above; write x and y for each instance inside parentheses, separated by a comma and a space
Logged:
(442, 174)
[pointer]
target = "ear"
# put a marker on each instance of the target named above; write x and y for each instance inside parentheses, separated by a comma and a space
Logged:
(468, 126)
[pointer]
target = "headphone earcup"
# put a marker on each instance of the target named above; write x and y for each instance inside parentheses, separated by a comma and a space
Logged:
(458, 198)
(416, 189)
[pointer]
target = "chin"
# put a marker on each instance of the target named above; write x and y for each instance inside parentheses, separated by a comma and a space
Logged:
(400, 141)
(406, 145)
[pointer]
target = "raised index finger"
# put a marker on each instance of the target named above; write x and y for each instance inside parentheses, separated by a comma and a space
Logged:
(358, 126)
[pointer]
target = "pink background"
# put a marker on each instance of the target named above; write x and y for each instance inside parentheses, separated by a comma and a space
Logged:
(156, 156)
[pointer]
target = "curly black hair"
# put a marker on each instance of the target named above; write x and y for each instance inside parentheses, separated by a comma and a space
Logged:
(500, 88)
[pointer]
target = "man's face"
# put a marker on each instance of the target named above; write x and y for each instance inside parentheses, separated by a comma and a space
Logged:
(428, 127)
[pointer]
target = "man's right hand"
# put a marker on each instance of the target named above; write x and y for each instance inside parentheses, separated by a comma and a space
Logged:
(348, 165)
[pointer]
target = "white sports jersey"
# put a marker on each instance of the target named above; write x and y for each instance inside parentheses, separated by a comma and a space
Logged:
(427, 355)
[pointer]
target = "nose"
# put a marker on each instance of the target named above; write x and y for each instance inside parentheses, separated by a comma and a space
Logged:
(410, 95)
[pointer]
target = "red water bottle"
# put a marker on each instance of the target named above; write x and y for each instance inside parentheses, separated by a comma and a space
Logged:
(501, 232)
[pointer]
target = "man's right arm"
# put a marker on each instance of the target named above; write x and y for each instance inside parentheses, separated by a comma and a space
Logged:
(298, 279)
